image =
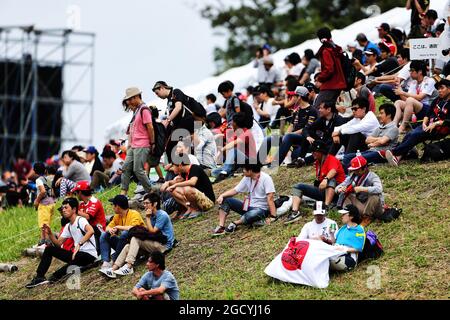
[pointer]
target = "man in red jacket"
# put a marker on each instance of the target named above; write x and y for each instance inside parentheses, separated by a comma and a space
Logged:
(331, 79)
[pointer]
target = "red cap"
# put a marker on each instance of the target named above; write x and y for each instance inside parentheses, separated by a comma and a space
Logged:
(357, 163)
(390, 46)
(81, 186)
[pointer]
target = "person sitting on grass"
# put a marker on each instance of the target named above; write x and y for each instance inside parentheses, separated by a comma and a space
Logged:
(435, 126)
(157, 222)
(257, 205)
(157, 283)
(363, 189)
(329, 173)
(83, 254)
(320, 228)
(44, 202)
(349, 239)
(116, 235)
(194, 191)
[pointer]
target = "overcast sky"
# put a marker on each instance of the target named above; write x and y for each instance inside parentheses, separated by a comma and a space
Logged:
(137, 43)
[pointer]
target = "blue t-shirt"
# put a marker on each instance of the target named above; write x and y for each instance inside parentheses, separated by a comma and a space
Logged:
(370, 45)
(167, 280)
(351, 237)
(162, 221)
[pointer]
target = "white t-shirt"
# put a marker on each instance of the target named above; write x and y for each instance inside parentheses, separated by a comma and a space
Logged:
(72, 231)
(427, 87)
(89, 165)
(312, 230)
(258, 190)
(117, 164)
(296, 70)
(404, 72)
(210, 108)
(271, 109)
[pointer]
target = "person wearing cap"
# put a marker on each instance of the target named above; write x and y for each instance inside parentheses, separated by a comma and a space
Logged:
(141, 140)
(331, 79)
(294, 64)
(418, 98)
(84, 252)
(384, 33)
(320, 228)
(304, 115)
(311, 65)
(352, 135)
(90, 208)
(73, 171)
(388, 63)
(93, 162)
(116, 233)
(435, 125)
(368, 46)
(265, 105)
(363, 189)
(329, 173)
(349, 239)
(268, 74)
(370, 61)
(383, 138)
(321, 129)
(258, 203)
(157, 223)
(179, 122)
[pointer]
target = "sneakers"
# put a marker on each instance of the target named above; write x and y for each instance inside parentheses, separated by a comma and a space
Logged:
(218, 231)
(108, 272)
(106, 265)
(231, 228)
(293, 216)
(194, 214)
(124, 270)
(391, 159)
(184, 216)
(222, 176)
(36, 282)
(298, 163)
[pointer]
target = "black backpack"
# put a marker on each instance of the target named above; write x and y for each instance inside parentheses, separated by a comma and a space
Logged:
(349, 71)
(194, 107)
(160, 133)
(372, 249)
(436, 151)
(246, 109)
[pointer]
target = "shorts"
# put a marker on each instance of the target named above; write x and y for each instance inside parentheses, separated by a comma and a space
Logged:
(45, 213)
(203, 202)
(153, 161)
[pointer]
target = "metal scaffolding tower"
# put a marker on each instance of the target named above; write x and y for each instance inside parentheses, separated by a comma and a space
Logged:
(30, 49)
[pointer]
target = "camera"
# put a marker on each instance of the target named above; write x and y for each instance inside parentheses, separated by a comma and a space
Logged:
(446, 52)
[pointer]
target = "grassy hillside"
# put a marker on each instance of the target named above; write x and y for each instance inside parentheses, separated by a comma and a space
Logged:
(231, 267)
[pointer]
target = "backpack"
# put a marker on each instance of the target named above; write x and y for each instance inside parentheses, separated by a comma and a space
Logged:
(372, 249)
(390, 213)
(349, 71)
(160, 133)
(436, 151)
(194, 107)
(142, 233)
(81, 230)
(47, 186)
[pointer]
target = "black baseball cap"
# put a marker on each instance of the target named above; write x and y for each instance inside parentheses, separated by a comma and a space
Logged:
(319, 146)
(443, 82)
(120, 200)
(160, 84)
(385, 26)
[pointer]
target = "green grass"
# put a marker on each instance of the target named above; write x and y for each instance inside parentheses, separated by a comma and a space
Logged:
(414, 266)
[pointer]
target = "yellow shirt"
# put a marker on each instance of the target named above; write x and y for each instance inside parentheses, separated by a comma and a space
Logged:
(132, 218)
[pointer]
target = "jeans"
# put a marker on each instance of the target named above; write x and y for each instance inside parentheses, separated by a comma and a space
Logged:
(351, 142)
(116, 242)
(247, 217)
(234, 156)
(81, 259)
(387, 90)
(134, 163)
(312, 192)
(371, 157)
(289, 140)
(412, 139)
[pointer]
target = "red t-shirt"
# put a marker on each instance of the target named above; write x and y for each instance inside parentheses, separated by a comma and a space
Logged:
(330, 163)
(94, 209)
(249, 145)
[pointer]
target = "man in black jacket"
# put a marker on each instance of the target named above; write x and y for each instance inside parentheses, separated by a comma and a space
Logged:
(321, 129)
